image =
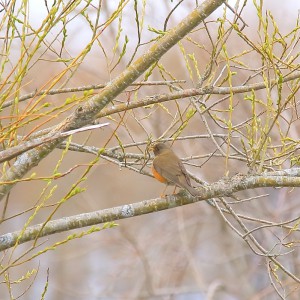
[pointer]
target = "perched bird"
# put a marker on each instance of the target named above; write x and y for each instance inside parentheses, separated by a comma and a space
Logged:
(168, 168)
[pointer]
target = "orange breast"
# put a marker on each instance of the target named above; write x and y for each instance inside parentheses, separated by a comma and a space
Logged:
(158, 176)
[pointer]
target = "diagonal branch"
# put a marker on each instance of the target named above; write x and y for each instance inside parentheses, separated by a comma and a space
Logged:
(86, 113)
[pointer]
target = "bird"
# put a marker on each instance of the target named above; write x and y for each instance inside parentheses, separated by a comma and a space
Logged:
(169, 169)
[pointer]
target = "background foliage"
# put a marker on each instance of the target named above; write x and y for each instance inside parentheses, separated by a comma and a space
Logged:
(226, 98)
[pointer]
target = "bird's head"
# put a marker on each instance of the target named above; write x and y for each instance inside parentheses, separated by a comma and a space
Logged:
(159, 148)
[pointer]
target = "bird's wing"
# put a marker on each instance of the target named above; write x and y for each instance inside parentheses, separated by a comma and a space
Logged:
(172, 169)
(183, 170)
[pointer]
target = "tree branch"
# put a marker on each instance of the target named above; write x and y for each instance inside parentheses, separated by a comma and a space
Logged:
(222, 188)
(12, 152)
(86, 113)
(82, 89)
(181, 94)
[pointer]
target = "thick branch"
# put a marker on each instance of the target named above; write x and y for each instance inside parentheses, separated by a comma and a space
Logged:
(86, 113)
(222, 188)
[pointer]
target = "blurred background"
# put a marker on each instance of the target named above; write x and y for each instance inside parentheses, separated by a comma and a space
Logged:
(182, 253)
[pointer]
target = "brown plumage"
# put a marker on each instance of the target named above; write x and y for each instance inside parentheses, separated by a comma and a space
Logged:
(168, 168)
